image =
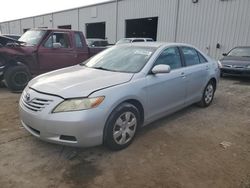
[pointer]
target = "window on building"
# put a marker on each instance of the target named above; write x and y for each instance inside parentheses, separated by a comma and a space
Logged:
(64, 27)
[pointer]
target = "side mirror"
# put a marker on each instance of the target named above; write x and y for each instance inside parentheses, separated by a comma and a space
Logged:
(57, 45)
(161, 69)
(224, 54)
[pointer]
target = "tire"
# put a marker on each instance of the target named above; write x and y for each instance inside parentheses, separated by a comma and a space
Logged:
(17, 77)
(121, 127)
(208, 95)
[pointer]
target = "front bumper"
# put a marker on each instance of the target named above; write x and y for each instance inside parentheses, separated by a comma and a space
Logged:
(79, 128)
(236, 71)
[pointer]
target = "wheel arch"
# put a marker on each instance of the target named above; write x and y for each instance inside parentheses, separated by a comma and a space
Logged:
(132, 101)
(214, 82)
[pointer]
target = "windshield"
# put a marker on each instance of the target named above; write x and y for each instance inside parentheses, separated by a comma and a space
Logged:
(123, 41)
(121, 59)
(240, 52)
(32, 37)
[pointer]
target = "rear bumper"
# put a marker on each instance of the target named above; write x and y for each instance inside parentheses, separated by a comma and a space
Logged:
(236, 71)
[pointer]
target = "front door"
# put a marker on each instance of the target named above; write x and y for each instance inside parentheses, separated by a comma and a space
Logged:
(53, 57)
(166, 92)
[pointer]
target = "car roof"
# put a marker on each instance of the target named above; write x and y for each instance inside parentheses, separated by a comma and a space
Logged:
(157, 44)
(241, 47)
(135, 38)
(11, 35)
(95, 39)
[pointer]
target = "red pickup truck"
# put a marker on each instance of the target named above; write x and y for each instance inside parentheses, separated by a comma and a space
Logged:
(39, 51)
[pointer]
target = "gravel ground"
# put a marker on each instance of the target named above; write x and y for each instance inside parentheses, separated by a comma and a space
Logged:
(182, 150)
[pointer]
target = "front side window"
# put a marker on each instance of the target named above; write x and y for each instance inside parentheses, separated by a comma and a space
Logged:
(202, 58)
(190, 55)
(129, 59)
(171, 57)
(138, 40)
(61, 38)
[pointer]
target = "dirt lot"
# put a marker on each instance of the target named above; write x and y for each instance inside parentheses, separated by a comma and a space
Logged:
(182, 150)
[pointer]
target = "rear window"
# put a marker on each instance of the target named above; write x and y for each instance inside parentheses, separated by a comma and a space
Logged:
(78, 40)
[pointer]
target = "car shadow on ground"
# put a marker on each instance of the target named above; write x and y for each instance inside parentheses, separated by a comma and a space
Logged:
(2, 85)
(238, 80)
(164, 121)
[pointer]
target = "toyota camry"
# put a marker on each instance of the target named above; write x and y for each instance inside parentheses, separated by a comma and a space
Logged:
(108, 98)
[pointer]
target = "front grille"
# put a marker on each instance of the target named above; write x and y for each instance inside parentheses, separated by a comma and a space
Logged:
(229, 66)
(36, 104)
(234, 66)
(238, 67)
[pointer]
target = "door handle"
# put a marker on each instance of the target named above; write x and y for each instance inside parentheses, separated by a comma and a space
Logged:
(183, 75)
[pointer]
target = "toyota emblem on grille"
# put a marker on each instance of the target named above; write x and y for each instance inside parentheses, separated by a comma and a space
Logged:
(27, 97)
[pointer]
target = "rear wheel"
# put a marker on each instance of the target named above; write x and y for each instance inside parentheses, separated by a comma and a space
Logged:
(121, 126)
(17, 77)
(208, 95)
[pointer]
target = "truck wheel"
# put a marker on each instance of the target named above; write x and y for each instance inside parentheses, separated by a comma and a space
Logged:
(17, 77)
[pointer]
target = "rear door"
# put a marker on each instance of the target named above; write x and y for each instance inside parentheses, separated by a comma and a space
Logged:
(51, 57)
(166, 92)
(197, 73)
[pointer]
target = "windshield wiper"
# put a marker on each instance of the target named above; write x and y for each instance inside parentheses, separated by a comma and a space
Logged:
(101, 68)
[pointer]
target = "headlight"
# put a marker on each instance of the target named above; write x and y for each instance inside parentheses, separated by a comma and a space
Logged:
(219, 64)
(78, 104)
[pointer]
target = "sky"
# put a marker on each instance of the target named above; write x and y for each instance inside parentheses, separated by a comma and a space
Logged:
(16, 9)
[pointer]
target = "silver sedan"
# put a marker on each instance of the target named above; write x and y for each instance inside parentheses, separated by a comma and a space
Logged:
(106, 99)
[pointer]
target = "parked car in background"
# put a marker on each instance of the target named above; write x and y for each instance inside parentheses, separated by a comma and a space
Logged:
(236, 62)
(12, 36)
(110, 96)
(131, 40)
(39, 51)
(93, 42)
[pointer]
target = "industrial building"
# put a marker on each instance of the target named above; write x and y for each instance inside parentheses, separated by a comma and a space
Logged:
(214, 26)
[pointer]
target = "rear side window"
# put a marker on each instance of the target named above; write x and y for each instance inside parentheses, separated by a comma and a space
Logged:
(171, 57)
(78, 40)
(202, 58)
(191, 56)
(138, 40)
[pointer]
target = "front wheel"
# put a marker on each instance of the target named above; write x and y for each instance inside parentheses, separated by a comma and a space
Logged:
(17, 77)
(208, 95)
(121, 126)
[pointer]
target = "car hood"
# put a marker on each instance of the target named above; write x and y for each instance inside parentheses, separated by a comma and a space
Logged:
(77, 81)
(229, 60)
